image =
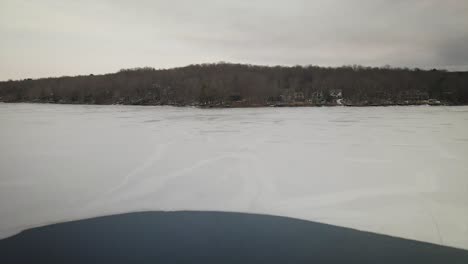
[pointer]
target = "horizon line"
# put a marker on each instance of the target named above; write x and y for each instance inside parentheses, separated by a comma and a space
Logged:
(360, 66)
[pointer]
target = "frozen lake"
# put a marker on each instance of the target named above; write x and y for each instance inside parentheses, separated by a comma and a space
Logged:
(401, 171)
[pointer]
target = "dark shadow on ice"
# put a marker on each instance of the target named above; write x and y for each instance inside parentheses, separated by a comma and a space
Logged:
(213, 237)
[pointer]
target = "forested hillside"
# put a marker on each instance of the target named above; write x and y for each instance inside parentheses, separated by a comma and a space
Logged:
(225, 84)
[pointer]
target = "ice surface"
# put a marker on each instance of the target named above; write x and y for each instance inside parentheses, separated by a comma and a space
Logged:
(401, 171)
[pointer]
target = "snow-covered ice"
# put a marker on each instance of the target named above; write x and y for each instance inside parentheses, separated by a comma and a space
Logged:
(401, 171)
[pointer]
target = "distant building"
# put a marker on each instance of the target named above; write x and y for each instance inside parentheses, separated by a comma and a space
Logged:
(299, 96)
(285, 98)
(336, 93)
(414, 95)
(235, 97)
(287, 95)
(316, 97)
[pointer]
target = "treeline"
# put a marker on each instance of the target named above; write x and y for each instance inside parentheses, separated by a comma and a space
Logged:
(225, 84)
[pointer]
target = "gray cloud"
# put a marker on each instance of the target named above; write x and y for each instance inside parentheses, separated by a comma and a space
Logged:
(51, 38)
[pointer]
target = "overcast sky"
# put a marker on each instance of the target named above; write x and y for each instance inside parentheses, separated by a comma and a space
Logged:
(55, 38)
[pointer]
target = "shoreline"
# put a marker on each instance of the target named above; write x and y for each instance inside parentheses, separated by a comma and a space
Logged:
(218, 106)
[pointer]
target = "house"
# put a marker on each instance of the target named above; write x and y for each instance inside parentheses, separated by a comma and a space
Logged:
(336, 93)
(285, 98)
(299, 96)
(235, 97)
(316, 98)
(414, 95)
(287, 95)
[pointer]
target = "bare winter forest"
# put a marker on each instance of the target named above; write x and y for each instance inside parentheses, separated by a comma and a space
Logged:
(237, 85)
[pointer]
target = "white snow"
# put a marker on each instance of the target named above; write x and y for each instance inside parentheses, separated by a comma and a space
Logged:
(401, 171)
